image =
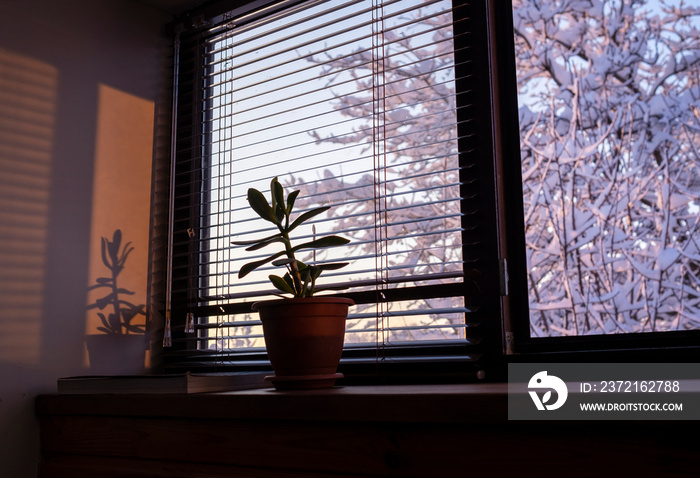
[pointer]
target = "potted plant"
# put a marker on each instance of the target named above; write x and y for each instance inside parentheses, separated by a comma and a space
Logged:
(304, 334)
(121, 346)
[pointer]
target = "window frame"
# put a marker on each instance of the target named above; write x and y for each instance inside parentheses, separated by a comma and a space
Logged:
(667, 346)
(502, 263)
(419, 363)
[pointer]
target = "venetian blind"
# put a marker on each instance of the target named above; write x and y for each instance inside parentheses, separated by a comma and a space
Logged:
(363, 105)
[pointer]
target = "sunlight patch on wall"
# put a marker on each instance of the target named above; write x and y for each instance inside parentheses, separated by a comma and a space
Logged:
(121, 197)
(27, 117)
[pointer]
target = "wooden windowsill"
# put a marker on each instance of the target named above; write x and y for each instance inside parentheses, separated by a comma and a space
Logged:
(453, 403)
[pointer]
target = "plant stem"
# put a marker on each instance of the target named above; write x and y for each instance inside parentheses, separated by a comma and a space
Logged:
(294, 268)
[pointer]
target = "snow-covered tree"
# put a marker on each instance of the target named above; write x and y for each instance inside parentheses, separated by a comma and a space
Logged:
(610, 139)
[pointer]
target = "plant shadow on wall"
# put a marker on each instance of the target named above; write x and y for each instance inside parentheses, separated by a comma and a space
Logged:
(122, 343)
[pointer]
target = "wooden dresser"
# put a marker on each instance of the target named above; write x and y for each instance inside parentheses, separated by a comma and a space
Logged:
(437, 431)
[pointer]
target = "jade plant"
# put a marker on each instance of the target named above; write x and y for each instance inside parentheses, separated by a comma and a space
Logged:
(300, 278)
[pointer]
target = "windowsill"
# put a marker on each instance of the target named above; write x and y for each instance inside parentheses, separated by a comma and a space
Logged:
(440, 404)
(453, 403)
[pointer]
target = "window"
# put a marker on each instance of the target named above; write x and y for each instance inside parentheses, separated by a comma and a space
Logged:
(386, 111)
(369, 106)
(608, 111)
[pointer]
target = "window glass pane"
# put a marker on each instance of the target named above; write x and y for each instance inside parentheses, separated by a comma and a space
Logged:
(354, 105)
(609, 110)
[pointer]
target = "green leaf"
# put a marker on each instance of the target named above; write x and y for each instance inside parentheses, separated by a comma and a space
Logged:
(329, 241)
(257, 201)
(264, 241)
(307, 215)
(288, 279)
(277, 192)
(281, 284)
(291, 199)
(282, 262)
(251, 266)
(280, 214)
(314, 272)
(333, 266)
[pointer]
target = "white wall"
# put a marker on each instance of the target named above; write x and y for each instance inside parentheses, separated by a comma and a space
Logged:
(56, 57)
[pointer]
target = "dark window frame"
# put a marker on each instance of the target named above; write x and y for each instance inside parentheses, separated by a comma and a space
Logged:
(501, 241)
(668, 346)
(449, 362)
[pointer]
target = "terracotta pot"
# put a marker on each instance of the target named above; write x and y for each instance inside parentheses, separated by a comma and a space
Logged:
(116, 354)
(304, 340)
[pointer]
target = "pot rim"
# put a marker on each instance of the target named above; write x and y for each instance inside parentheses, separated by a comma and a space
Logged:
(301, 300)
